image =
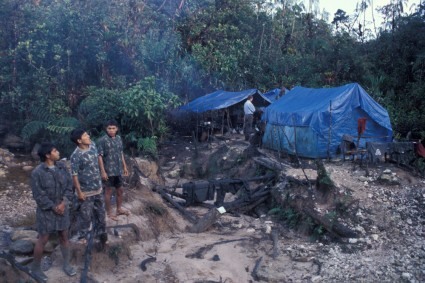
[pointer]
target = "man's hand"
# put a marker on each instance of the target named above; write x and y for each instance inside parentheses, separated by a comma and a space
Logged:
(60, 208)
(81, 196)
(104, 175)
(125, 171)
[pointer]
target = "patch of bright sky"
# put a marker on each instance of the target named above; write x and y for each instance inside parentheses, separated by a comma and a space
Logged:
(349, 6)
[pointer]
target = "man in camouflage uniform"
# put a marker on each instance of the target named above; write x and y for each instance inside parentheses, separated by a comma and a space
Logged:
(52, 190)
(112, 166)
(88, 184)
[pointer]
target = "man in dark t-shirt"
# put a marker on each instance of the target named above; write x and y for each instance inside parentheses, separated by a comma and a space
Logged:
(112, 167)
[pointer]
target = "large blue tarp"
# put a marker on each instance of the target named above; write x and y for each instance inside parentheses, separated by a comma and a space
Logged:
(274, 94)
(311, 122)
(221, 99)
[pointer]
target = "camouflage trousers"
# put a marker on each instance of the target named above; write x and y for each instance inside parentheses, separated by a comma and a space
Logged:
(92, 214)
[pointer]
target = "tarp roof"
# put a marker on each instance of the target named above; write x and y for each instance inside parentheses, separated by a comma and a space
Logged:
(313, 121)
(220, 99)
(304, 106)
(274, 94)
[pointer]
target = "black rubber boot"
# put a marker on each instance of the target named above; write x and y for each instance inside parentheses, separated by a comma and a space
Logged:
(67, 268)
(37, 272)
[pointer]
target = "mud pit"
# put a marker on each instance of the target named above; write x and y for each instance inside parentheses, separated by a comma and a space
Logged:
(388, 217)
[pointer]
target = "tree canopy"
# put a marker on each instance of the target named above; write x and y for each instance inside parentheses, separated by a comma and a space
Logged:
(67, 63)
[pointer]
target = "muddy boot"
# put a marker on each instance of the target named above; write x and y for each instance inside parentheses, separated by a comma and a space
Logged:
(67, 268)
(37, 272)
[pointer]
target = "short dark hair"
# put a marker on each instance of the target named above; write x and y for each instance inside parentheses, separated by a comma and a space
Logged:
(76, 134)
(111, 122)
(250, 97)
(45, 148)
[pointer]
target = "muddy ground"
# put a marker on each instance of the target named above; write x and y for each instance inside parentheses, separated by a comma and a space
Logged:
(384, 205)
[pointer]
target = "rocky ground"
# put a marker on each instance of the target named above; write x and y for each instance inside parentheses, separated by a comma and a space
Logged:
(384, 205)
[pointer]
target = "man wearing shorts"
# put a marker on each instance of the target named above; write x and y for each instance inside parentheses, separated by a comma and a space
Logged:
(112, 167)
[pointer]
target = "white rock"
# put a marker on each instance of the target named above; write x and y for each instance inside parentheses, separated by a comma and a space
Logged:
(268, 229)
(27, 168)
(352, 240)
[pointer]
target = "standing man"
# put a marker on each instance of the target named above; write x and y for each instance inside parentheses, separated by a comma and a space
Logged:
(249, 110)
(88, 184)
(112, 167)
(52, 191)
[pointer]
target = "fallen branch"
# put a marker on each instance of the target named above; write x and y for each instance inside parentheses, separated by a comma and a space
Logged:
(304, 207)
(180, 208)
(146, 261)
(202, 251)
(271, 164)
(255, 270)
(334, 227)
(11, 259)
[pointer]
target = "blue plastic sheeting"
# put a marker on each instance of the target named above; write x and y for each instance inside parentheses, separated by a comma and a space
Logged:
(301, 121)
(274, 94)
(220, 99)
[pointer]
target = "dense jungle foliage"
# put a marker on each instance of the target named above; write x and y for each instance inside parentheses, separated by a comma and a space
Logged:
(69, 63)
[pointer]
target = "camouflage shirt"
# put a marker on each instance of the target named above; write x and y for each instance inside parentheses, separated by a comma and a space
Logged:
(85, 165)
(111, 151)
(49, 187)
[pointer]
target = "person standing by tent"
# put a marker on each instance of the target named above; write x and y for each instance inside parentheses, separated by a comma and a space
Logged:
(51, 187)
(112, 167)
(249, 110)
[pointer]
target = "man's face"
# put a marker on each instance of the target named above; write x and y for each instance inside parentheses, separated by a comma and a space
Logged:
(112, 131)
(54, 155)
(85, 139)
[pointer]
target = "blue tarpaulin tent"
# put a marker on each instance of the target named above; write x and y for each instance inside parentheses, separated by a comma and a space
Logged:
(311, 122)
(221, 99)
(274, 94)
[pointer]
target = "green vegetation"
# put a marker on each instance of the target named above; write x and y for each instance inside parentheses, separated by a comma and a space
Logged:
(66, 63)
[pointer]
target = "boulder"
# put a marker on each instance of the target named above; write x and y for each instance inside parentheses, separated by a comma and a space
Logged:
(11, 141)
(149, 170)
(6, 157)
(23, 234)
(21, 247)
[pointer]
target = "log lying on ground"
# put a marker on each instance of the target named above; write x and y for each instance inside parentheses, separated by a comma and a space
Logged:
(200, 253)
(243, 204)
(189, 216)
(271, 164)
(306, 207)
(11, 259)
(334, 227)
